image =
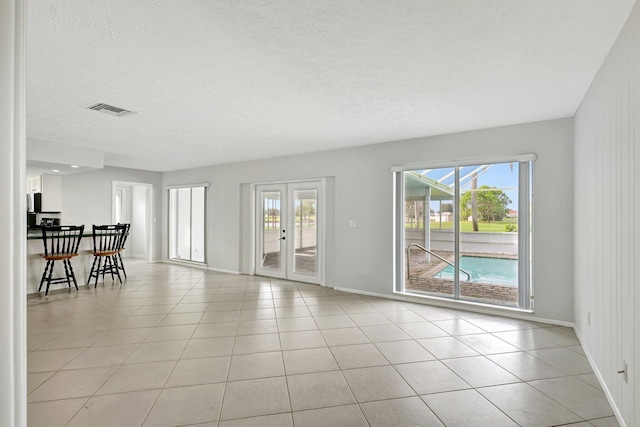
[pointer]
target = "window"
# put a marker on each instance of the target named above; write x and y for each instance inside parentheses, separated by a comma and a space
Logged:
(464, 231)
(187, 223)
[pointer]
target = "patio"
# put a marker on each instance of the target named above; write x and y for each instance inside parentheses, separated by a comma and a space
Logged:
(422, 280)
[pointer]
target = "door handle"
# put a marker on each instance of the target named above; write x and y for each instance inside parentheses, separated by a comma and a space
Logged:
(283, 238)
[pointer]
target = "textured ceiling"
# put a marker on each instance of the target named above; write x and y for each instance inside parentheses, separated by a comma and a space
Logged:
(219, 81)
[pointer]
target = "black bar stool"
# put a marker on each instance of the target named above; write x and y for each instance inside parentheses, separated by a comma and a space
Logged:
(124, 241)
(107, 243)
(60, 244)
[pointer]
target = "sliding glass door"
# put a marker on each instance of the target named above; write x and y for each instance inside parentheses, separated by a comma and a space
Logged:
(464, 232)
(187, 223)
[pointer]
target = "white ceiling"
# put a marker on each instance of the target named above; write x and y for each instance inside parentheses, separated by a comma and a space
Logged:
(223, 81)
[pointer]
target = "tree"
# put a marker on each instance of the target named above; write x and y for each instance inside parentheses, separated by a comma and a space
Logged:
(491, 204)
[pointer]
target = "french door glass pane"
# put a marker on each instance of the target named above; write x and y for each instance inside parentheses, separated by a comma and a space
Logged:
(305, 236)
(197, 224)
(489, 233)
(184, 223)
(173, 223)
(428, 231)
(271, 204)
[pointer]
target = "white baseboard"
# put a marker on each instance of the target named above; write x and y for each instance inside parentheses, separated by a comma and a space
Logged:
(185, 263)
(598, 374)
(220, 270)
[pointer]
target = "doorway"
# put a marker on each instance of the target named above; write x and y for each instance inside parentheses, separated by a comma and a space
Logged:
(289, 230)
(131, 203)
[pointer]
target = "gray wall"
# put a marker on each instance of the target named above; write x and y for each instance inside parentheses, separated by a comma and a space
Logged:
(86, 198)
(362, 189)
(607, 233)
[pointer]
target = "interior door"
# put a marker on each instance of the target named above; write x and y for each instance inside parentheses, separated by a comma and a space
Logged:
(289, 231)
(271, 230)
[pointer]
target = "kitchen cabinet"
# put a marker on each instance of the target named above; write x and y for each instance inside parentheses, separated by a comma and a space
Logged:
(34, 184)
(50, 187)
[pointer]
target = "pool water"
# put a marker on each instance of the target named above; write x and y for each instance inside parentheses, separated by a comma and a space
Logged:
(497, 271)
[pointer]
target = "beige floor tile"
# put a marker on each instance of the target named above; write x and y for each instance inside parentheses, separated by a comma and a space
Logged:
(525, 366)
(115, 410)
(423, 329)
(335, 321)
(431, 377)
(410, 411)
(186, 405)
(56, 413)
(480, 371)
(208, 347)
(124, 336)
(527, 406)
(457, 327)
(146, 376)
(199, 371)
(285, 311)
(382, 333)
(146, 321)
(171, 333)
(605, 422)
(259, 365)
(256, 327)
(581, 398)
(35, 341)
(102, 356)
(220, 316)
(318, 390)
(566, 360)
(377, 383)
(71, 384)
(404, 352)
(157, 352)
(338, 416)
(487, 344)
(300, 340)
(344, 336)
(256, 344)
(278, 420)
(176, 319)
(309, 360)
(466, 408)
(215, 330)
(267, 396)
(37, 378)
(258, 314)
(447, 347)
(51, 360)
(358, 356)
(296, 324)
(404, 316)
(370, 319)
(73, 340)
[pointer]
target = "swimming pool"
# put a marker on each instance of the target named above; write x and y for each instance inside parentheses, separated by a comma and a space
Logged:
(497, 271)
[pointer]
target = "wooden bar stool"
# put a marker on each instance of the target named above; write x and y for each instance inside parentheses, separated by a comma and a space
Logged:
(60, 244)
(107, 244)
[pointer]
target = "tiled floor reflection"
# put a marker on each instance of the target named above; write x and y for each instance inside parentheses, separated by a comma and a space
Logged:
(178, 346)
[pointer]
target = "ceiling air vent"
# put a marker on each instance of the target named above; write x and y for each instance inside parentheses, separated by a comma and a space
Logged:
(109, 109)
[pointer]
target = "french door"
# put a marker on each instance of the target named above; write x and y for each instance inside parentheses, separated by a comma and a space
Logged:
(289, 230)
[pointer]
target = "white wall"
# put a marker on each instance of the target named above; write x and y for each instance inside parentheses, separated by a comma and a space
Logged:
(362, 190)
(86, 198)
(13, 227)
(607, 210)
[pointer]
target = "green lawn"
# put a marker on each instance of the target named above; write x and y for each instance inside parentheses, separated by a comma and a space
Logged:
(489, 227)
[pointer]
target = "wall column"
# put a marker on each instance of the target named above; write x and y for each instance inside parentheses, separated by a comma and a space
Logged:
(13, 213)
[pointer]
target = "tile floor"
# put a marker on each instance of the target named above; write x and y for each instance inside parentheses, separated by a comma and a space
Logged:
(181, 346)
